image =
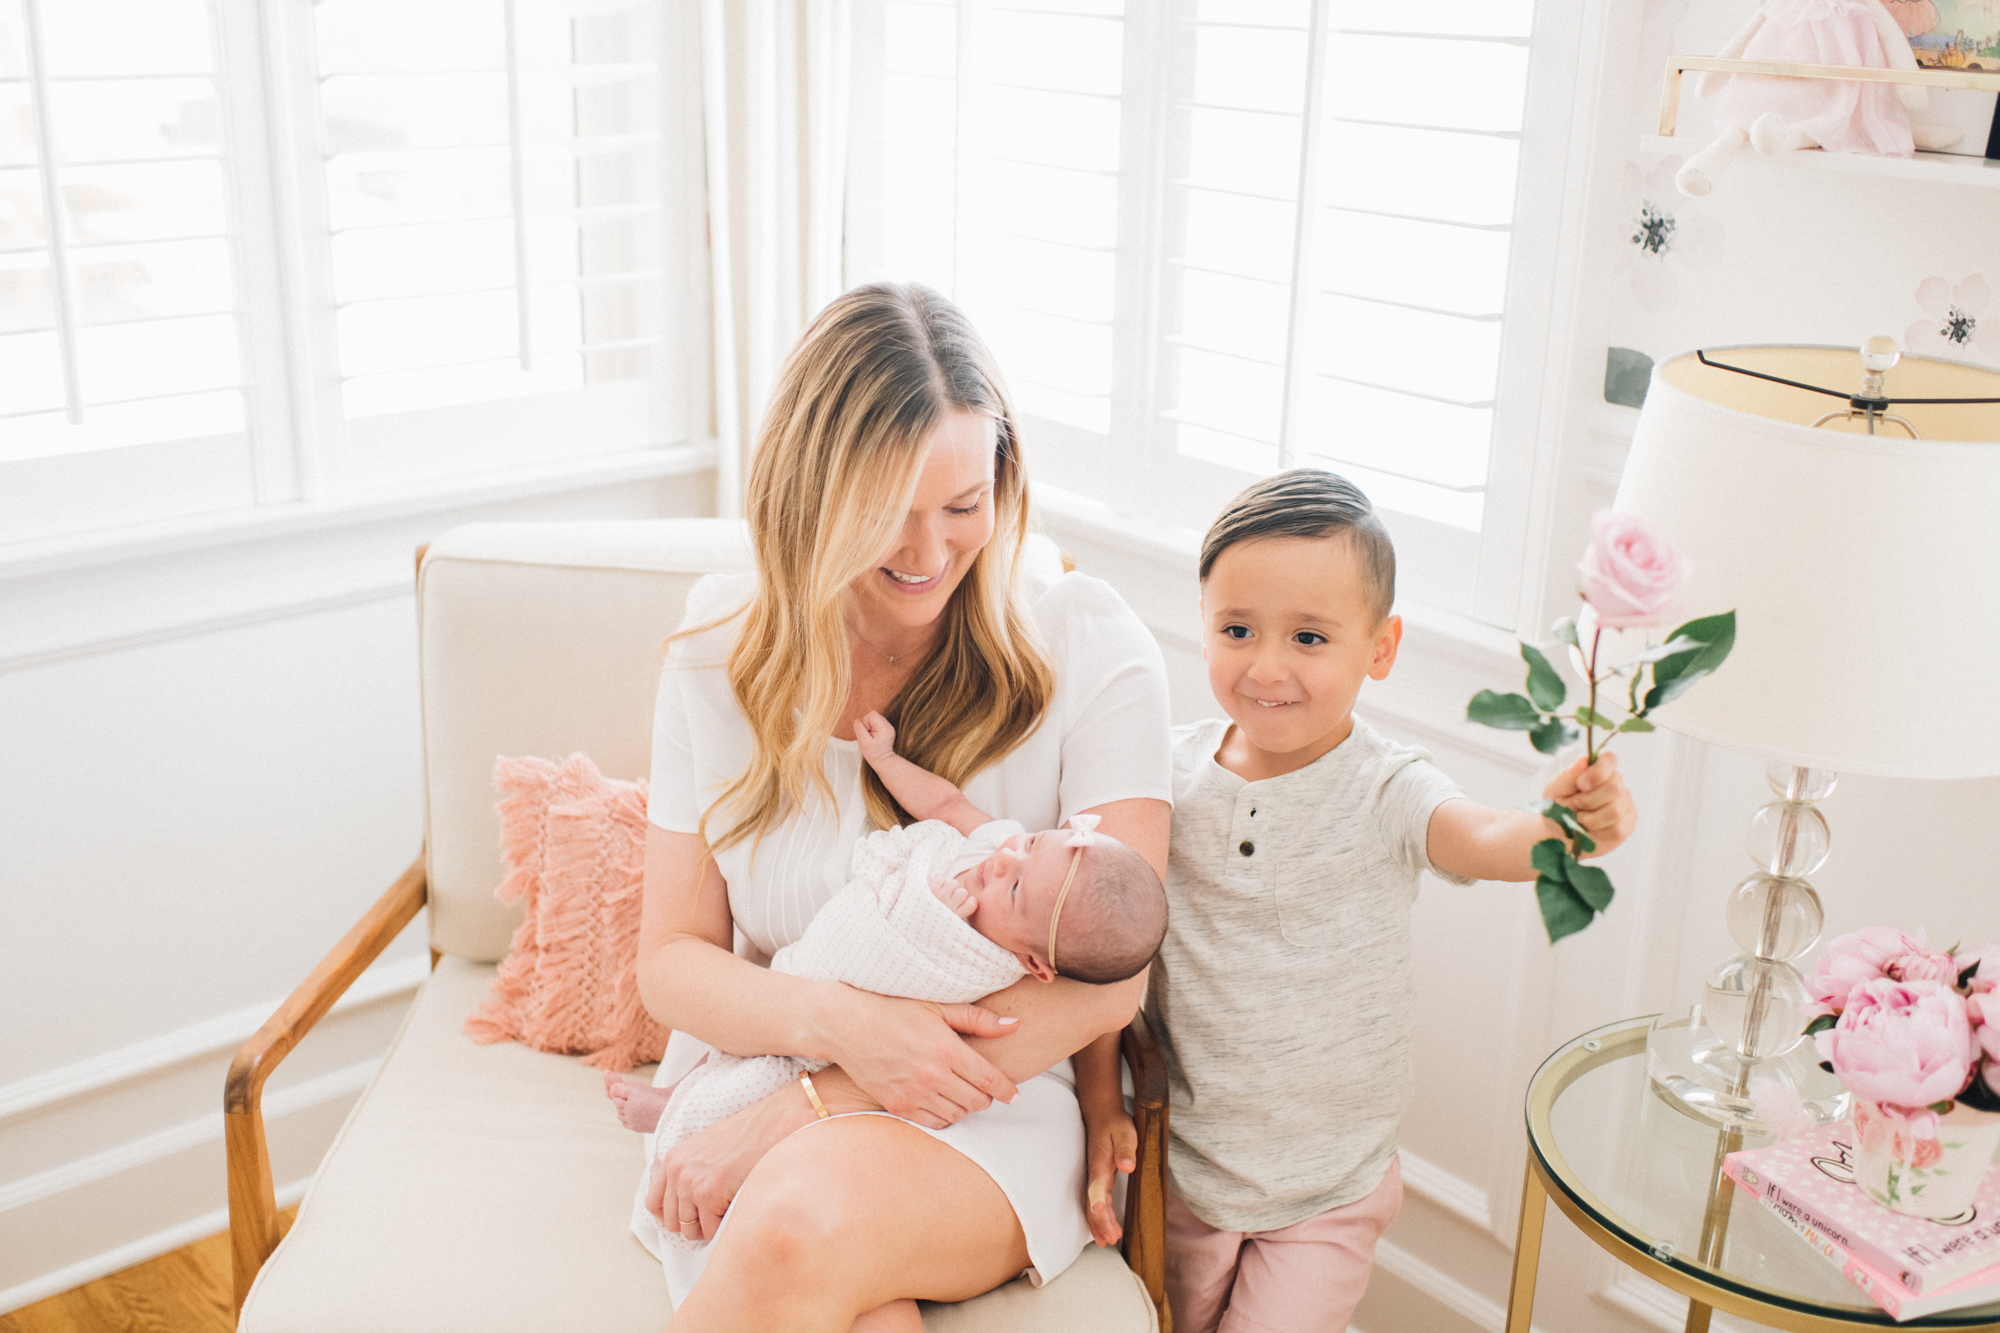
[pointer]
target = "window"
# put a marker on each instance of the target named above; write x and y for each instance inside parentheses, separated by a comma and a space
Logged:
(255, 254)
(1209, 239)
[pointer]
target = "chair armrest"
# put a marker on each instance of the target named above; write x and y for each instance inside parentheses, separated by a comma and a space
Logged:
(253, 1202)
(1146, 1192)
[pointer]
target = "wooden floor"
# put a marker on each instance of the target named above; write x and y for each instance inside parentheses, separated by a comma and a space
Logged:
(183, 1292)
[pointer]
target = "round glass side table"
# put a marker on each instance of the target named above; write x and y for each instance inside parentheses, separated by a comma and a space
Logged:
(1644, 1180)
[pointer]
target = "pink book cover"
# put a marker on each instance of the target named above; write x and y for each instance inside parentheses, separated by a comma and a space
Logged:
(1896, 1301)
(1811, 1180)
(1900, 1304)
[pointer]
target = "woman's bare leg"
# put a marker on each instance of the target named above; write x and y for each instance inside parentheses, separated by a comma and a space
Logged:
(849, 1216)
(895, 1317)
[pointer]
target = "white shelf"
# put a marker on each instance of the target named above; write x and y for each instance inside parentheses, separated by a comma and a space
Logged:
(1944, 168)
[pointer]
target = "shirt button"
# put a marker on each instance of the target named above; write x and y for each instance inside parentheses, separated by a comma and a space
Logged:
(1247, 848)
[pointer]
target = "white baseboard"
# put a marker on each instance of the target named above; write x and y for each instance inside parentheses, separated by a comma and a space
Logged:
(1449, 1191)
(224, 1032)
(135, 1154)
(115, 1159)
(136, 1252)
(86, 1218)
(1476, 1308)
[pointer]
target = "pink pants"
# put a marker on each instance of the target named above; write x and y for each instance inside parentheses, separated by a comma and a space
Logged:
(1304, 1278)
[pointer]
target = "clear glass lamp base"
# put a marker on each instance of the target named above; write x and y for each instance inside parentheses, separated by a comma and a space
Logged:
(1701, 1075)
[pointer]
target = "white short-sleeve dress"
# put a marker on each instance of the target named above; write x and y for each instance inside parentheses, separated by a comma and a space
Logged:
(1105, 738)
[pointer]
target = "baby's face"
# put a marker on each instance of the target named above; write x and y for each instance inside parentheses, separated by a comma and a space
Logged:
(1016, 894)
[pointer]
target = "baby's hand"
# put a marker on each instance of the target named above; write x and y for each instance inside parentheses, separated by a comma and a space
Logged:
(1600, 798)
(955, 896)
(875, 736)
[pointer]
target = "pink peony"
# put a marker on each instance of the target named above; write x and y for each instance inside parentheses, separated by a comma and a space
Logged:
(1629, 571)
(1923, 965)
(1902, 1043)
(1852, 959)
(1983, 1007)
(1988, 976)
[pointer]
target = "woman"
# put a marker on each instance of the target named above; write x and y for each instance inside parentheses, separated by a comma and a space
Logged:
(888, 507)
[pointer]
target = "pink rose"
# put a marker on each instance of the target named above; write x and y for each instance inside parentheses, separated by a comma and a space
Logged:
(1923, 965)
(1902, 1043)
(1854, 958)
(1629, 572)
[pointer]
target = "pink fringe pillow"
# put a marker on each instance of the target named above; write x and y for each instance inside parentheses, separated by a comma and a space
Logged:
(575, 847)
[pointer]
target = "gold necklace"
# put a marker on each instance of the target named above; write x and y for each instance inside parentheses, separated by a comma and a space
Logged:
(872, 648)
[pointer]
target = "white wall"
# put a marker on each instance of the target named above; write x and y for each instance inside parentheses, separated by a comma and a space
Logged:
(210, 769)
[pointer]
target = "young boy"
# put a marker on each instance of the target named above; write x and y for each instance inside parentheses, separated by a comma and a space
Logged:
(1283, 993)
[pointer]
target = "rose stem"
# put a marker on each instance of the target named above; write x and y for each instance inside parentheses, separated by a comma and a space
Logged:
(1589, 730)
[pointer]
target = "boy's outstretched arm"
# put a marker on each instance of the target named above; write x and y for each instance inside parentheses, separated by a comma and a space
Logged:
(921, 792)
(1479, 842)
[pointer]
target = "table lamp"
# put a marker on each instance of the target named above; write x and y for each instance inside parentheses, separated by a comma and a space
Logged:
(1848, 508)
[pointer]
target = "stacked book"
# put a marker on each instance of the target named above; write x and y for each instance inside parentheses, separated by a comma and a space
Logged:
(1910, 1266)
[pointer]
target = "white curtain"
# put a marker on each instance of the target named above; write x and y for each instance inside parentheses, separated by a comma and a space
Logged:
(775, 114)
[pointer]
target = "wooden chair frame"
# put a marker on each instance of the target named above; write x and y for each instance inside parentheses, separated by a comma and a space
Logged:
(253, 1204)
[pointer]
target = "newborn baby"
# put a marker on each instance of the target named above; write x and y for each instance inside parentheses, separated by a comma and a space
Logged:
(949, 909)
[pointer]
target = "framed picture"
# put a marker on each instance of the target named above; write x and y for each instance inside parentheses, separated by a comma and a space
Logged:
(1951, 34)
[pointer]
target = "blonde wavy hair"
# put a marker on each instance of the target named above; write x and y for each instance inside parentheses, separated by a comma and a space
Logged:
(836, 463)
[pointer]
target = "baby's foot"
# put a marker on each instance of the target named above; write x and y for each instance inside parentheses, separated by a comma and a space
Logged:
(639, 1104)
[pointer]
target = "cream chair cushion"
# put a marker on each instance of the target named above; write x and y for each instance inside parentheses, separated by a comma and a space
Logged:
(484, 1189)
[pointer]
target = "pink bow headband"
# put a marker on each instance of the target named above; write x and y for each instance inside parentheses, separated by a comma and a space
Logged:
(1081, 837)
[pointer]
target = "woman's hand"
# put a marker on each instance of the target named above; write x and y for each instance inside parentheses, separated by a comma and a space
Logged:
(1111, 1143)
(909, 1057)
(693, 1185)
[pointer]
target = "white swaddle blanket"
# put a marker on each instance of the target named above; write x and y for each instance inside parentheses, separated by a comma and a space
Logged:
(886, 932)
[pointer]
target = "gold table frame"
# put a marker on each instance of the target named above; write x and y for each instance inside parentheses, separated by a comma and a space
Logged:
(1549, 1177)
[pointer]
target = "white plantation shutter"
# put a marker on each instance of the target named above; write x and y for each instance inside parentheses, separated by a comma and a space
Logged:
(987, 166)
(1209, 239)
(119, 300)
(493, 193)
(255, 253)
(1408, 255)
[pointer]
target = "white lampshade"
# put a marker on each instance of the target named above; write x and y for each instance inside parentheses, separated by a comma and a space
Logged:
(1864, 570)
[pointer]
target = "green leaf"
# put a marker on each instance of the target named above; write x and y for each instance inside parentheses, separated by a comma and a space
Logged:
(1509, 712)
(1969, 973)
(1820, 1024)
(1675, 645)
(1580, 842)
(1551, 858)
(1591, 884)
(1590, 717)
(1635, 724)
(1565, 630)
(1550, 736)
(1545, 685)
(1942, 1108)
(1563, 912)
(1675, 675)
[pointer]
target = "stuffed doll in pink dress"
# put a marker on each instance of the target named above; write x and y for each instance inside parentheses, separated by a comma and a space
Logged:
(1776, 115)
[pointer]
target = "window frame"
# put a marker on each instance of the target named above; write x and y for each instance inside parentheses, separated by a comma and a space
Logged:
(297, 450)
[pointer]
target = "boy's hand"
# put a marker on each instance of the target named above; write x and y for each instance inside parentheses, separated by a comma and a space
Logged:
(1602, 803)
(1111, 1143)
(875, 737)
(955, 896)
